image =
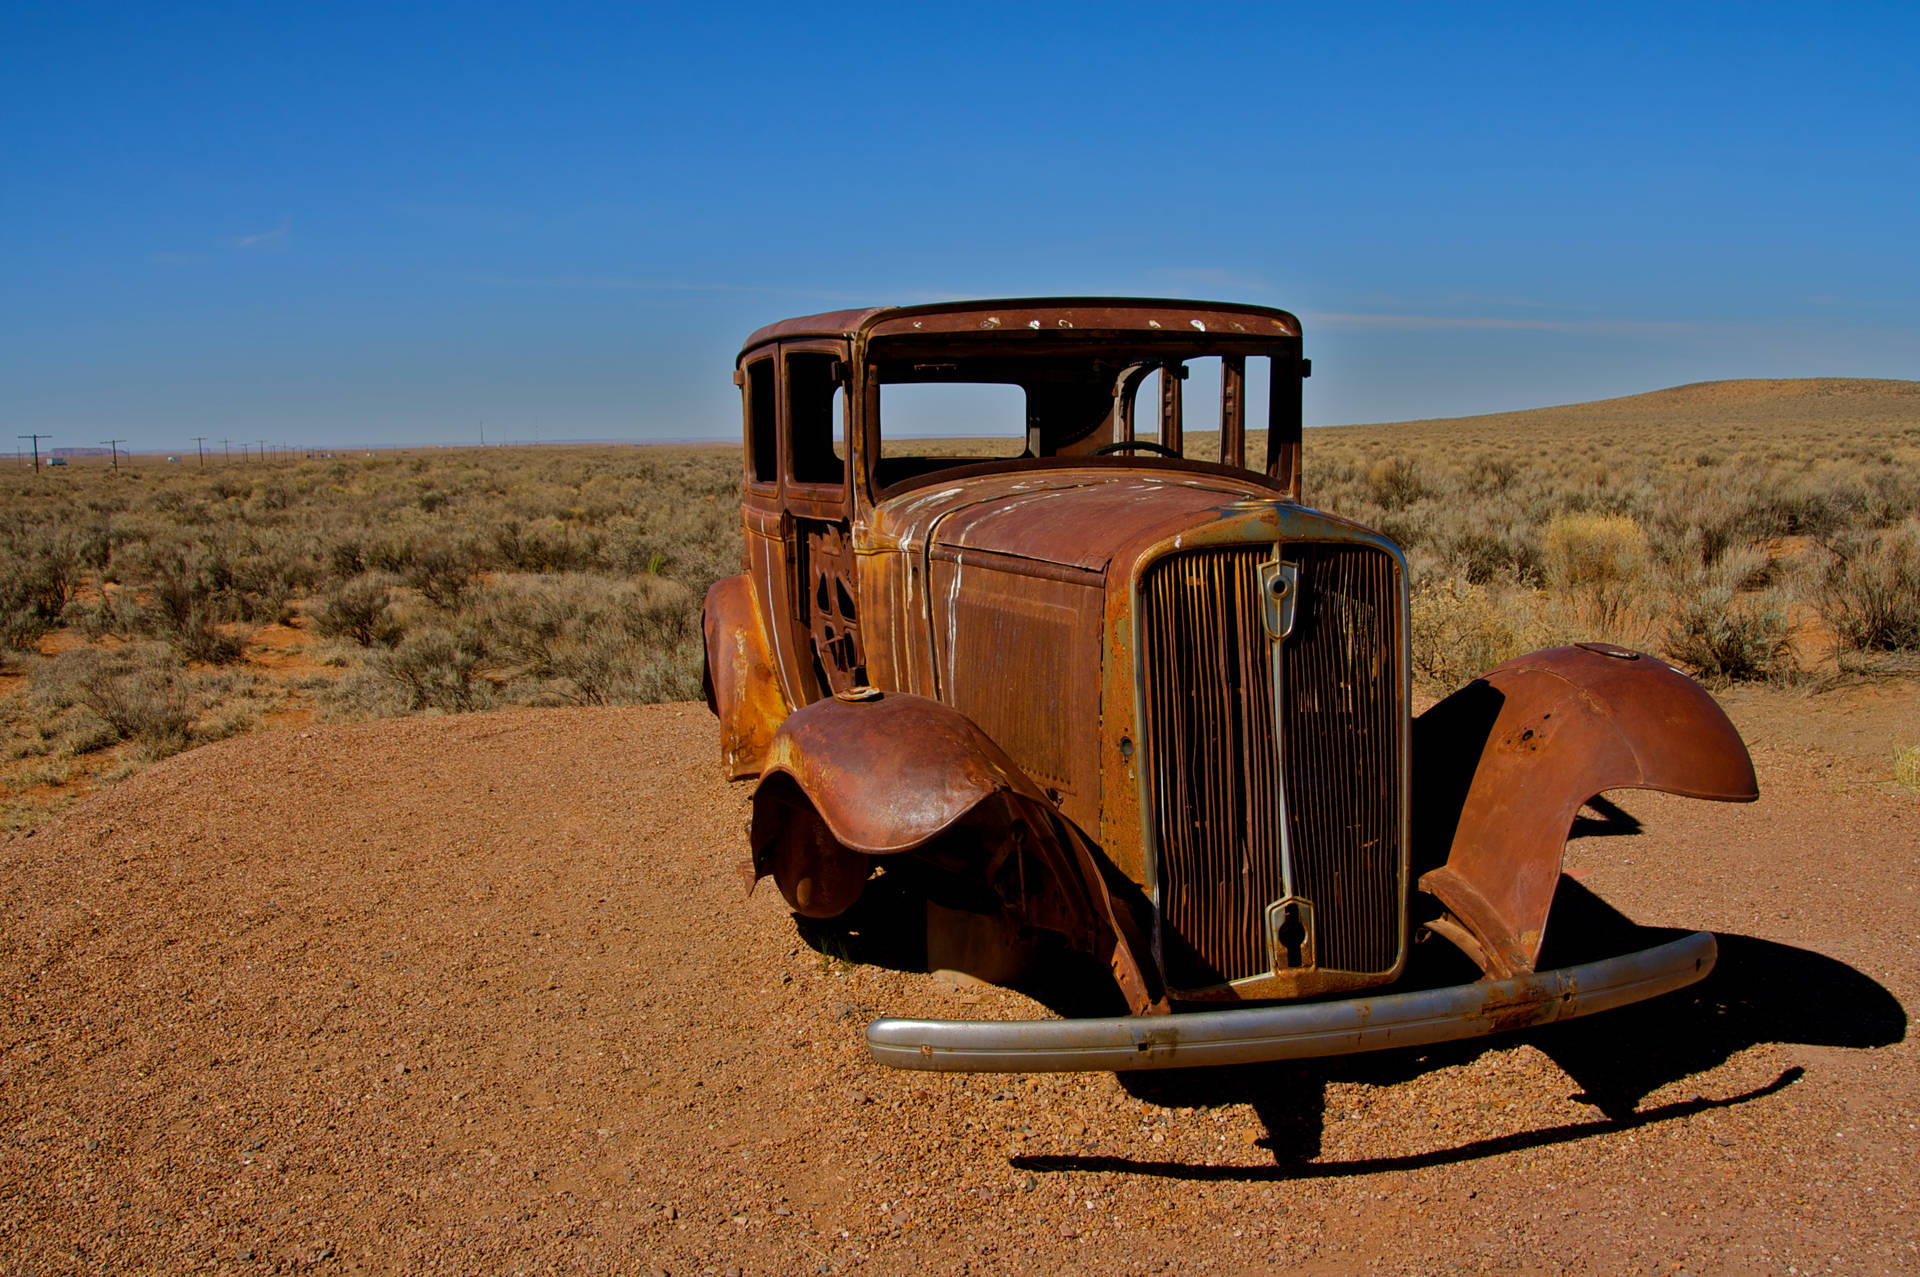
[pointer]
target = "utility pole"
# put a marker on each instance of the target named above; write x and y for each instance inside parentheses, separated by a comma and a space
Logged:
(200, 444)
(483, 434)
(243, 452)
(114, 444)
(36, 448)
(226, 450)
(262, 454)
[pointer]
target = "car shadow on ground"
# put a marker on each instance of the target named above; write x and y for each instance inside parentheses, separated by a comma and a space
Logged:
(1760, 991)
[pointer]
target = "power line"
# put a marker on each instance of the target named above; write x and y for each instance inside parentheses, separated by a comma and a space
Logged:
(36, 448)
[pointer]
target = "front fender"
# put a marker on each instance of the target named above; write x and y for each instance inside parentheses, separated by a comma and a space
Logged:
(873, 773)
(741, 688)
(1503, 765)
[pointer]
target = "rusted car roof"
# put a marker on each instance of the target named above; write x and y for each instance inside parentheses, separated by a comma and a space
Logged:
(1107, 314)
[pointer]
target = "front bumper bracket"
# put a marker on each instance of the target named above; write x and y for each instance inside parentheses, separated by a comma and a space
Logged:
(1247, 1035)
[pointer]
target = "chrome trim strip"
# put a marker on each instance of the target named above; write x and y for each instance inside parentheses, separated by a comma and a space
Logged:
(1291, 1031)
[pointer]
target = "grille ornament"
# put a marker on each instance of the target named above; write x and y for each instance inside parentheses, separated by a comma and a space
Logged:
(1279, 590)
(1290, 944)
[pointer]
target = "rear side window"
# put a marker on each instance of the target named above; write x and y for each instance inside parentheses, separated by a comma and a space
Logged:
(762, 433)
(816, 415)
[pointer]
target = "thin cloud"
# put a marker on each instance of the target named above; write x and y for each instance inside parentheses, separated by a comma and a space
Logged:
(176, 259)
(264, 237)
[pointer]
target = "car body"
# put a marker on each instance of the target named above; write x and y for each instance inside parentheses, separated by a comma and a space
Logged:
(1110, 679)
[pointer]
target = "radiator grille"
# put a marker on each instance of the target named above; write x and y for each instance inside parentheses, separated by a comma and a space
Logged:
(1217, 766)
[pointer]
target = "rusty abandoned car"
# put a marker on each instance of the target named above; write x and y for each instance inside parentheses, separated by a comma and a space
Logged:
(1084, 681)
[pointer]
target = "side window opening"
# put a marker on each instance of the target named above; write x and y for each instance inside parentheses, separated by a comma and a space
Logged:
(761, 423)
(816, 418)
(975, 420)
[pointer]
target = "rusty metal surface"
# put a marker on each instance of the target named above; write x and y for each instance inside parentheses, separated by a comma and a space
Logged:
(741, 688)
(1274, 765)
(884, 773)
(1037, 314)
(1502, 766)
(1016, 650)
(1292, 1032)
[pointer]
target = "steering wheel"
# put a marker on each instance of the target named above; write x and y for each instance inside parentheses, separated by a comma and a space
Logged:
(1120, 445)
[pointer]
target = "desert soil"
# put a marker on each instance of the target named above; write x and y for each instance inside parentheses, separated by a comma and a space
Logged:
(484, 995)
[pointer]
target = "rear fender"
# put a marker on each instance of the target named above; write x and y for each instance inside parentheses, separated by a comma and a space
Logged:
(742, 690)
(1501, 767)
(869, 774)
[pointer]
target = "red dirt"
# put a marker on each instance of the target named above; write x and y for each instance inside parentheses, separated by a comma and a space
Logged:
(481, 994)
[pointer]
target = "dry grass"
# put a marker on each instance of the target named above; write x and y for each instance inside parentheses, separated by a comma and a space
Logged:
(1906, 766)
(144, 612)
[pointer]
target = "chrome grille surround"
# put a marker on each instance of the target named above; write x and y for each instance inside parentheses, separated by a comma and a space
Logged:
(1274, 771)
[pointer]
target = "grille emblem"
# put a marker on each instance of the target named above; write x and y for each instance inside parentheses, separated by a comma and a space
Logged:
(1290, 943)
(1279, 589)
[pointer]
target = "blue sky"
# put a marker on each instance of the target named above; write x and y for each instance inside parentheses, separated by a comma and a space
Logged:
(363, 224)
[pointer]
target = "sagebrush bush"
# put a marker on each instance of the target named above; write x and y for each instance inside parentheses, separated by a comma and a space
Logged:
(138, 693)
(436, 670)
(360, 610)
(1725, 636)
(592, 639)
(1906, 766)
(1871, 593)
(37, 577)
(1461, 629)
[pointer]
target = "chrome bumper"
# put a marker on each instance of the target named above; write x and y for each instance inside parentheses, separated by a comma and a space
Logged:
(1246, 1035)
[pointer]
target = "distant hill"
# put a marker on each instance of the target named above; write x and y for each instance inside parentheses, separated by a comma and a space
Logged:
(1849, 406)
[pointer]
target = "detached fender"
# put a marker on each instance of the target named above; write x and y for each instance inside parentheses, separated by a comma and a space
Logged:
(1501, 767)
(742, 690)
(873, 773)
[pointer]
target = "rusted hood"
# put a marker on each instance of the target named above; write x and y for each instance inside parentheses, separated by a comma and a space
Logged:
(1072, 518)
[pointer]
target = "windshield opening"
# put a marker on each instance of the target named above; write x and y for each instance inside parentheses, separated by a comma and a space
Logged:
(1156, 402)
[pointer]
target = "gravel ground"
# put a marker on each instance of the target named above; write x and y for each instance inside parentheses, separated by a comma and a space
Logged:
(482, 994)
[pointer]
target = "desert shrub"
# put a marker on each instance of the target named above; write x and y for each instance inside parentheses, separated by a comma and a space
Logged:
(1871, 594)
(1727, 636)
(37, 576)
(1460, 630)
(347, 558)
(442, 573)
(1480, 555)
(1586, 550)
(361, 610)
(1906, 766)
(591, 639)
(1598, 560)
(436, 670)
(1395, 482)
(1489, 474)
(186, 599)
(139, 693)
